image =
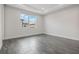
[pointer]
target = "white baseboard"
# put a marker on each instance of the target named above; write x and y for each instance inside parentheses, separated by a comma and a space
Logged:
(72, 38)
(21, 36)
(47, 34)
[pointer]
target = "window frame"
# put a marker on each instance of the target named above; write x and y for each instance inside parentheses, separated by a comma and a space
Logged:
(24, 24)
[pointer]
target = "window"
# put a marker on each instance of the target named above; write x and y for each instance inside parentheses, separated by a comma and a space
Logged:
(28, 20)
(24, 18)
(32, 19)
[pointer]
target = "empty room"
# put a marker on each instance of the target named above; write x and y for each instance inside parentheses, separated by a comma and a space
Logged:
(39, 29)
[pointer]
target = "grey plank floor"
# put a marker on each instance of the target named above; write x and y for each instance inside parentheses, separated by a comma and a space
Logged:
(40, 44)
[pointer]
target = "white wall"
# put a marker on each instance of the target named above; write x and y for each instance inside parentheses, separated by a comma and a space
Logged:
(63, 23)
(1, 24)
(13, 27)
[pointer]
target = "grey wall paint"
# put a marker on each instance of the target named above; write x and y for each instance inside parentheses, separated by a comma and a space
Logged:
(1, 24)
(64, 23)
(13, 26)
